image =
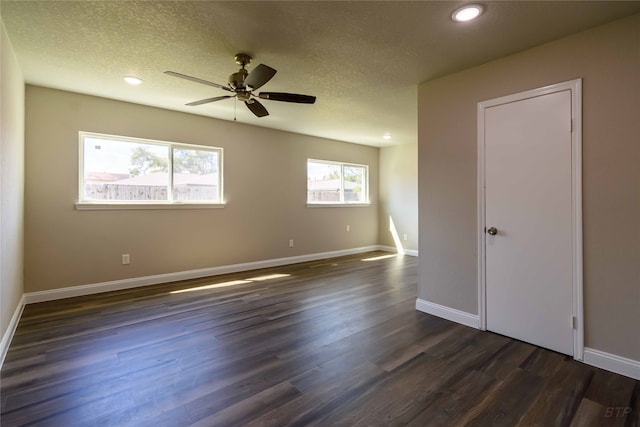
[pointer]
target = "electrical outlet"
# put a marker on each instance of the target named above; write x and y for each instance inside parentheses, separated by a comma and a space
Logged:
(404, 237)
(291, 243)
(126, 259)
(348, 227)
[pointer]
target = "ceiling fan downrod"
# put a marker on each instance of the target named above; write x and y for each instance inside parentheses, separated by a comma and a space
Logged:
(236, 80)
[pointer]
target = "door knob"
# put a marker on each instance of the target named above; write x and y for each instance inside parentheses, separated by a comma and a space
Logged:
(492, 231)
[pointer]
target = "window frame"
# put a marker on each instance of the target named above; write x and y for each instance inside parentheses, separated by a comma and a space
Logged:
(89, 204)
(342, 202)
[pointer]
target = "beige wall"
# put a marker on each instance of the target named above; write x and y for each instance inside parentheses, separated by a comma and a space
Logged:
(399, 195)
(608, 60)
(11, 181)
(264, 183)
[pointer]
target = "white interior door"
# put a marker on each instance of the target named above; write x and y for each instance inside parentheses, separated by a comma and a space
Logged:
(528, 200)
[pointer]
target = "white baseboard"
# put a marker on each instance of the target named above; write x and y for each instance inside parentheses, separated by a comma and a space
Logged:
(597, 358)
(115, 285)
(462, 317)
(410, 252)
(611, 362)
(11, 330)
(600, 359)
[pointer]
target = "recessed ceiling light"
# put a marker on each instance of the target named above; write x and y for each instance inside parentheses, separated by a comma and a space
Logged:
(386, 136)
(132, 80)
(467, 13)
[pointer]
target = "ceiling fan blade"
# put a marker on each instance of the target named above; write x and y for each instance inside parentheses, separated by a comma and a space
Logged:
(259, 76)
(256, 108)
(288, 97)
(197, 80)
(206, 101)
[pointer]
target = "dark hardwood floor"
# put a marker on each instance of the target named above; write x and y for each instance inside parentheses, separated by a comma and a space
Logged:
(334, 342)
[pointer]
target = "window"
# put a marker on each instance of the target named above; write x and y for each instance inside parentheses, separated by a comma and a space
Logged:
(336, 183)
(121, 170)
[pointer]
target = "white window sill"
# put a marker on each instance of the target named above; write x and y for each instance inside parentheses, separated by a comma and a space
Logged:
(338, 205)
(89, 206)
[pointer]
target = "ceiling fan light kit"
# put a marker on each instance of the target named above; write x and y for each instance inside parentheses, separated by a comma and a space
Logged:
(242, 83)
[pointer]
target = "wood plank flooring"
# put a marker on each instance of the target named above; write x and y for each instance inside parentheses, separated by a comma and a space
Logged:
(331, 342)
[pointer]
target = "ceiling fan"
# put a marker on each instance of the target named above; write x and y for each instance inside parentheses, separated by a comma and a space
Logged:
(243, 83)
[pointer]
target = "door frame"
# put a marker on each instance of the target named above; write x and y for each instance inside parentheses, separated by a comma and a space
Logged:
(575, 87)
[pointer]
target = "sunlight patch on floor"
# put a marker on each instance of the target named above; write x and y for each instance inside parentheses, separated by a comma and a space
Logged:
(376, 258)
(231, 283)
(268, 277)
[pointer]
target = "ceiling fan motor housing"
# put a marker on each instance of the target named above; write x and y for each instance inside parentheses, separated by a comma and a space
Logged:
(236, 80)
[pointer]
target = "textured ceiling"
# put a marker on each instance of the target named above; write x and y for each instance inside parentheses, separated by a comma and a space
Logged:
(363, 60)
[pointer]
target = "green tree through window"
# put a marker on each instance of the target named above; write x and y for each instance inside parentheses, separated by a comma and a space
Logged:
(145, 162)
